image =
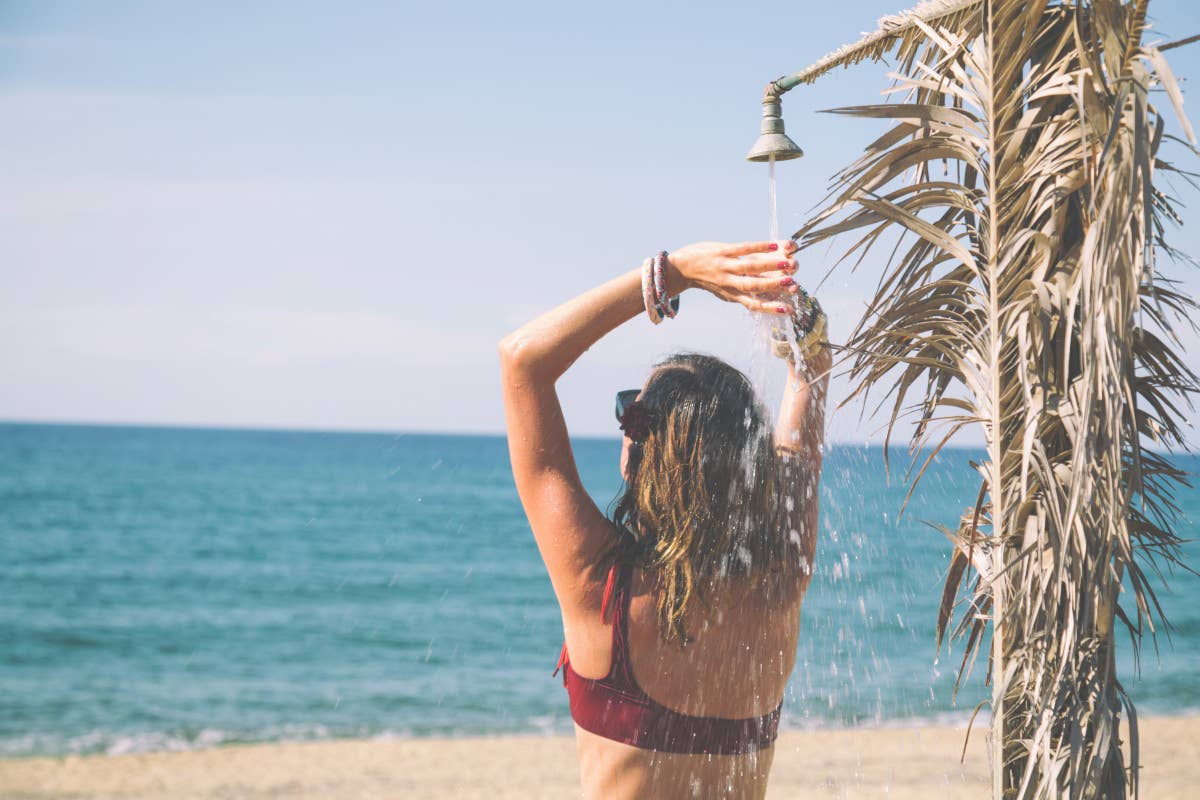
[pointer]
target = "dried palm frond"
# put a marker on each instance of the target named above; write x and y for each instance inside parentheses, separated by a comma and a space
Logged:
(1020, 168)
(893, 30)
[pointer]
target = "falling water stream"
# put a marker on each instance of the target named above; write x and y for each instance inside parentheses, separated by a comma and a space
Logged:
(763, 323)
(840, 668)
(771, 194)
(853, 658)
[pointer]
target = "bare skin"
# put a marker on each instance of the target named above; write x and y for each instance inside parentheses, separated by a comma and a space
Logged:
(750, 639)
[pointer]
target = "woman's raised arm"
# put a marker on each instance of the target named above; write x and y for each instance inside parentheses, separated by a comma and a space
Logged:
(570, 530)
(800, 444)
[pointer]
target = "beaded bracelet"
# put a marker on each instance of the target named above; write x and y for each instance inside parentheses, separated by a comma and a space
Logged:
(668, 307)
(654, 289)
(660, 286)
(648, 298)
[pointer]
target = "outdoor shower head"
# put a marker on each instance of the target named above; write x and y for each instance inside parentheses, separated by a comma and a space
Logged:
(772, 140)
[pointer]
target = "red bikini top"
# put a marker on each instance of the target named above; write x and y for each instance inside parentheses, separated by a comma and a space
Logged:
(616, 708)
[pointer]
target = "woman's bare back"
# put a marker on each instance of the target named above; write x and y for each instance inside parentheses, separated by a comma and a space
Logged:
(735, 666)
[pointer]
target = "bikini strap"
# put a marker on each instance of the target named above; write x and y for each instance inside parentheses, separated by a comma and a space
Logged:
(617, 592)
(562, 659)
(609, 585)
(616, 588)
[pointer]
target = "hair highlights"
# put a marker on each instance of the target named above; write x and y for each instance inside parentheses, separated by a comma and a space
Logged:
(702, 498)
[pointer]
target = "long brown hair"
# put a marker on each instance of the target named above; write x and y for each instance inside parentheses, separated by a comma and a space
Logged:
(702, 496)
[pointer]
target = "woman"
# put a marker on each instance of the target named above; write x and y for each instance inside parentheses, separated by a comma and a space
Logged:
(681, 614)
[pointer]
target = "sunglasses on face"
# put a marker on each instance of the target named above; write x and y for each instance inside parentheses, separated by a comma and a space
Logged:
(624, 398)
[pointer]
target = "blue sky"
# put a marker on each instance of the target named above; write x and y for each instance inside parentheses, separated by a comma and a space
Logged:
(326, 215)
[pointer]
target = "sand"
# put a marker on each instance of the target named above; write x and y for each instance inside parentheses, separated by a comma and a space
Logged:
(894, 763)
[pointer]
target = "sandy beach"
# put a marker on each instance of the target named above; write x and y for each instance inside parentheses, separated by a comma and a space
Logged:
(861, 763)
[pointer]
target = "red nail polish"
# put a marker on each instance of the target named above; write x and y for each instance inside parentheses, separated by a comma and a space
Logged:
(785, 265)
(773, 246)
(781, 309)
(786, 281)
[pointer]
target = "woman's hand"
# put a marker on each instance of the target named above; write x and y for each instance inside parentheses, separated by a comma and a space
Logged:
(757, 279)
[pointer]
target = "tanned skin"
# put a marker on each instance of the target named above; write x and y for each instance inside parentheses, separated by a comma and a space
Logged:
(753, 640)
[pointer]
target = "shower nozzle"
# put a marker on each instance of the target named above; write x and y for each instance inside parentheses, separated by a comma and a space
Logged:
(772, 140)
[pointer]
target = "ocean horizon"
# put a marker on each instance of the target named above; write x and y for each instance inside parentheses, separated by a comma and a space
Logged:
(184, 587)
(370, 431)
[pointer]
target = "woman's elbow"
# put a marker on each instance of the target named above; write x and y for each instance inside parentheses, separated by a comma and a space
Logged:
(516, 353)
(511, 346)
(507, 349)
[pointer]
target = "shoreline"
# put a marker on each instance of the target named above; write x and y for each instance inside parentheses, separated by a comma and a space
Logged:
(865, 762)
(941, 721)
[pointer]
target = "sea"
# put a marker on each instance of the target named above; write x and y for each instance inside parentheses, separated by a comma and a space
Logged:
(173, 589)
